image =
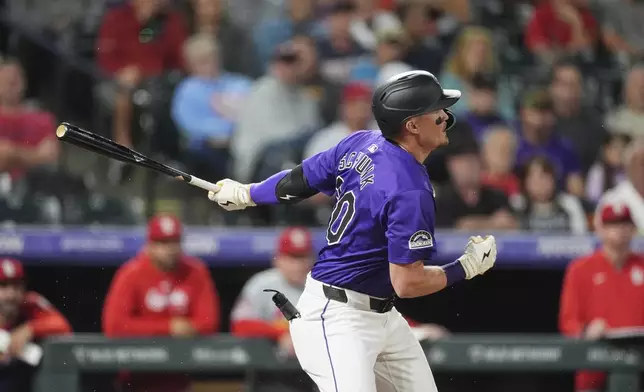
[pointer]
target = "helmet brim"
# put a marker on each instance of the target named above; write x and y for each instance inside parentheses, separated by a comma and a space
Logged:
(449, 98)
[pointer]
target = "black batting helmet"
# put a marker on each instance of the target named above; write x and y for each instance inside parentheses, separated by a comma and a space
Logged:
(408, 95)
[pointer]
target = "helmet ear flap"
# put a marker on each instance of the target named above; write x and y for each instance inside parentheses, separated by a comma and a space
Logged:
(450, 119)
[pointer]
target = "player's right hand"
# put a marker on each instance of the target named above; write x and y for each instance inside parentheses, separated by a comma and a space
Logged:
(479, 256)
(232, 195)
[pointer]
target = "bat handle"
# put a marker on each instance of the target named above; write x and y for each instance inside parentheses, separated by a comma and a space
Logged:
(203, 184)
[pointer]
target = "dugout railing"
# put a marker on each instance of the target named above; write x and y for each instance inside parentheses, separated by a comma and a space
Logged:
(65, 359)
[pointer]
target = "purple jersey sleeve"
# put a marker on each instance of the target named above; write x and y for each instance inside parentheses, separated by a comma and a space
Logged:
(410, 226)
(319, 171)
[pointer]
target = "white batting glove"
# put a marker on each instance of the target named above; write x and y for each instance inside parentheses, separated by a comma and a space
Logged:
(232, 195)
(479, 256)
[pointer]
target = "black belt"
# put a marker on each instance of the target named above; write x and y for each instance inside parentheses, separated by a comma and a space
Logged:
(375, 304)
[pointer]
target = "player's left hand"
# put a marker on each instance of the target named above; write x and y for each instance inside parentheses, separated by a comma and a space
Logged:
(479, 256)
(232, 195)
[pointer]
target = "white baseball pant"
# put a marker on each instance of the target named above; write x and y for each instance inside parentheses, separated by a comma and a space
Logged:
(345, 347)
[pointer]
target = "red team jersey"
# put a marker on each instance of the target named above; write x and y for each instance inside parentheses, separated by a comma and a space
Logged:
(143, 299)
(595, 289)
(44, 319)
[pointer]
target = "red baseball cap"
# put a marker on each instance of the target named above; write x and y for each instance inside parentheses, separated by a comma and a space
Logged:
(615, 213)
(295, 241)
(164, 228)
(355, 90)
(11, 269)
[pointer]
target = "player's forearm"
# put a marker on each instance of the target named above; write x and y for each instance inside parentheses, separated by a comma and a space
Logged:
(425, 281)
(432, 280)
(285, 187)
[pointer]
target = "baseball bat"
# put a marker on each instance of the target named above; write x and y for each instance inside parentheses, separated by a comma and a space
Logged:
(101, 145)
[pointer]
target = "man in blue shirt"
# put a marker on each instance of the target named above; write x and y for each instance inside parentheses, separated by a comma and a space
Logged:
(204, 108)
(349, 336)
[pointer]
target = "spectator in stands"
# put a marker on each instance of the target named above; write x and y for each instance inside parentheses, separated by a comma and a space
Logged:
(574, 120)
(467, 204)
(629, 117)
(538, 137)
(630, 191)
(622, 29)
(483, 104)
(248, 14)
(371, 21)
(281, 109)
(499, 151)
(338, 50)
(237, 49)
(561, 28)
(473, 52)
(205, 108)
(29, 318)
(604, 291)
(356, 116)
(27, 139)
(138, 40)
(161, 292)
(326, 93)
(386, 61)
(425, 48)
(608, 170)
(297, 19)
(541, 207)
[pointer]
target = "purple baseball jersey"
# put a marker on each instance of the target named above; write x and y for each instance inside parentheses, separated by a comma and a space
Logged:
(384, 212)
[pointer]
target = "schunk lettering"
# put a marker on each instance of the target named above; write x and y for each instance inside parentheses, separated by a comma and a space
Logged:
(361, 163)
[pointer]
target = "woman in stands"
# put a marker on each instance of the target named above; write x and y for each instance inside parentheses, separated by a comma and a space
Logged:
(541, 206)
(473, 52)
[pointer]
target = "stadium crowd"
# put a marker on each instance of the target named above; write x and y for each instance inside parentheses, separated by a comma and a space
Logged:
(553, 95)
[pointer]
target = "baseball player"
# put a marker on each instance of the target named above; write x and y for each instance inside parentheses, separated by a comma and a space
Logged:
(381, 232)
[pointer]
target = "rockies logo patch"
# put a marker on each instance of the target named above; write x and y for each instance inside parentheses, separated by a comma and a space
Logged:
(421, 239)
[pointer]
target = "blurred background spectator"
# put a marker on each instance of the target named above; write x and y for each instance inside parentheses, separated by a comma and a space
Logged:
(629, 116)
(539, 137)
(499, 151)
(280, 107)
(561, 28)
(466, 203)
(390, 50)
(630, 192)
(541, 206)
(26, 138)
(574, 119)
(237, 49)
(473, 53)
(608, 169)
(338, 49)
(206, 106)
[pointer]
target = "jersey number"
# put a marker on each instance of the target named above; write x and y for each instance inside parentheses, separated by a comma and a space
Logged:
(342, 215)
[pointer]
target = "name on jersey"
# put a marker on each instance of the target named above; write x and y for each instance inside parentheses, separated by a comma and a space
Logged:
(361, 163)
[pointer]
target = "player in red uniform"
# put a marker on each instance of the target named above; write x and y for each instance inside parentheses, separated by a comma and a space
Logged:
(161, 292)
(604, 291)
(28, 317)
